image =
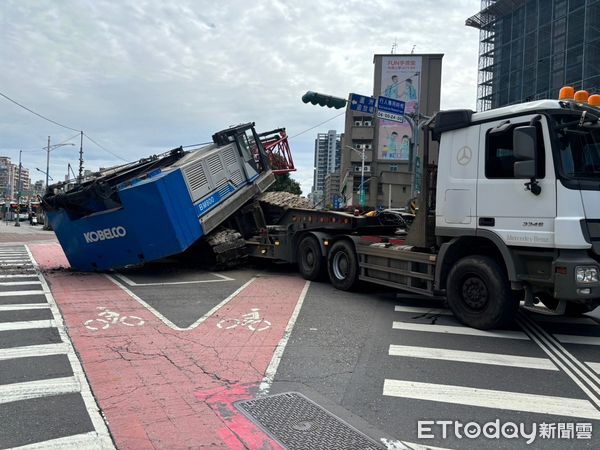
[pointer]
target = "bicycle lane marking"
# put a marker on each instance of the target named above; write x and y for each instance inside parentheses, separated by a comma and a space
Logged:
(164, 388)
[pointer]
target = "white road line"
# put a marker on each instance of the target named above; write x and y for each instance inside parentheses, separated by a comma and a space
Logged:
(458, 330)
(90, 402)
(595, 366)
(563, 319)
(17, 307)
(76, 442)
(18, 293)
(487, 398)
(130, 282)
(420, 310)
(577, 339)
(27, 325)
(166, 321)
(15, 265)
(14, 260)
(18, 283)
(472, 357)
(40, 388)
(33, 350)
(267, 380)
(18, 275)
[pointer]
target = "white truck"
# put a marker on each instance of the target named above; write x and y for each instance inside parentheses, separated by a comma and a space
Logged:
(510, 212)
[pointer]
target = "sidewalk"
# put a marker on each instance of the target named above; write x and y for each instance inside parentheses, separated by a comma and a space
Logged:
(25, 233)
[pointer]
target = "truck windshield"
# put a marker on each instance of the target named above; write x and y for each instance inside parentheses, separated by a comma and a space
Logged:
(578, 146)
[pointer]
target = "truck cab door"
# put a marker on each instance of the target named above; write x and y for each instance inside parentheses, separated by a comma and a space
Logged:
(505, 206)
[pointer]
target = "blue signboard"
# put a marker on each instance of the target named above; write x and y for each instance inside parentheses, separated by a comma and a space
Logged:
(362, 103)
(390, 105)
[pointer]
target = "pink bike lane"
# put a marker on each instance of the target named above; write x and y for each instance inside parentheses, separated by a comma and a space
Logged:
(161, 388)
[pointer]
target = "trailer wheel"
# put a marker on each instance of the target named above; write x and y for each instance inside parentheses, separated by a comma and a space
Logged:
(310, 259)
(479, 294)
(342, 266)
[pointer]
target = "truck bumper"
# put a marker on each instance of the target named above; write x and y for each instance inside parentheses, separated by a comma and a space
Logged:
(566, 286)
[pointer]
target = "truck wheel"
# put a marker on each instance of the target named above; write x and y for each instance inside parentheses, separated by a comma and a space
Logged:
(342, 266)
(479, 294)
(310, 259)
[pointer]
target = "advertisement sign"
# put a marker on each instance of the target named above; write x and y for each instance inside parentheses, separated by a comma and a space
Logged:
(400, 80)
(394, 140)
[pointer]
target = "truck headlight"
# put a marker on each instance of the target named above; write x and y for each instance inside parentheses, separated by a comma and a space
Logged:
(586, 274)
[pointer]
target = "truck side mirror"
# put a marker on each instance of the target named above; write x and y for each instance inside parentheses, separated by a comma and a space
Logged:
(525, 151)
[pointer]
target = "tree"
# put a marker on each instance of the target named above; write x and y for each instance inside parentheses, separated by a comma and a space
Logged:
(285, 183)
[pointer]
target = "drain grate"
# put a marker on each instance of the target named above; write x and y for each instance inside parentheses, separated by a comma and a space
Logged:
(298, 423)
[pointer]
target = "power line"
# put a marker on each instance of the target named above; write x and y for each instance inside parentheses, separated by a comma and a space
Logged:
(39, 115)
(317, 125)
(104, 148)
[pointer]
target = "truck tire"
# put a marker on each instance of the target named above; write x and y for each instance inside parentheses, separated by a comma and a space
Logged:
(479, 294)
(342, 266)
(310, 259)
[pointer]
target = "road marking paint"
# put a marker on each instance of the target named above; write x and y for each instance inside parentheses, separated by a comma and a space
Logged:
(18, 307)
(595, 366)
(472, 357)
(89, 440)
(487, 398)
(130, 282)
(14, 265)
(166, 321)
(18, 275)
(584, 320)
(269, 376)
(15, 392)
(33, 350)
(458, 330)
(18, 283)
(562, 358)
(20, 261)
(420, 310)
(27, 325)
(578, 339)
(90, 402)
(18, 293)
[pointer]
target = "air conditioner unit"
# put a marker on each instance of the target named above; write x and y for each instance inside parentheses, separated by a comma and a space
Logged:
(368, 146)
(357, 123)
(367, 123)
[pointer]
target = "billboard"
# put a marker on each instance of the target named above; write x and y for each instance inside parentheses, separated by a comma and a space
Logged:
(400, 80)
(394, 140)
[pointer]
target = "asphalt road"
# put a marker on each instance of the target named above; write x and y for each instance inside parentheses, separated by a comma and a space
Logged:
(378, 360)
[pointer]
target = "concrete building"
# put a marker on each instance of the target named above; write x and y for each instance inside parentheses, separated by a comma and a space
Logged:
(391, 148)
(529, 49)
(9, 178)
(327, 161)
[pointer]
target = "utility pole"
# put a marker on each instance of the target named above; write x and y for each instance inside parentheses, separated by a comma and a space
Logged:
(47, 162)
(80, 177)
(17, 224)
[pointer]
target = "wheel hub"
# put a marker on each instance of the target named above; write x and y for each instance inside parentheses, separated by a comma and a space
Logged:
(340, 266)
(474, 293)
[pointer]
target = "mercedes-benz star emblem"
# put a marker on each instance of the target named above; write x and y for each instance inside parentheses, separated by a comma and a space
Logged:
(464, 156)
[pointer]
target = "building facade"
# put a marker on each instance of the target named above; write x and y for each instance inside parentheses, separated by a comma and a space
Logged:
(391, 148)
(9, 180)
(529, 49)
(327, 161)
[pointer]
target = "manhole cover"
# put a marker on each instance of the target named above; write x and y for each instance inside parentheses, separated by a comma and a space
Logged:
(298, 423)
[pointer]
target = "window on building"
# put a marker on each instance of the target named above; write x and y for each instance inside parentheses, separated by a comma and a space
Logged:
(575, 30)
(499, 157)
(393, 167)
(560, 8)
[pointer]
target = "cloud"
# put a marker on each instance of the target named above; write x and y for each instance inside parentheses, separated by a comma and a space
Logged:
(141, 76)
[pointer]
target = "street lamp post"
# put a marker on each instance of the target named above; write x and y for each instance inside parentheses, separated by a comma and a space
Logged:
(48, 149)
(362, 175)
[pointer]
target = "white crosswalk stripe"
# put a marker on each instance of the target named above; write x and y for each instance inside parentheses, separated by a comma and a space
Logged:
(35, 317)
(415, 319)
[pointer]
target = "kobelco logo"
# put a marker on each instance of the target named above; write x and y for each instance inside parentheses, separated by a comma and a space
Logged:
(102, 235)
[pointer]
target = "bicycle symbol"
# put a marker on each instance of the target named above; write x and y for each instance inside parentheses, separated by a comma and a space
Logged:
(108, 318)
(250, 320)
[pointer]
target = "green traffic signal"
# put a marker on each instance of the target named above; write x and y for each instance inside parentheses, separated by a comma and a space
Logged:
(316, 98)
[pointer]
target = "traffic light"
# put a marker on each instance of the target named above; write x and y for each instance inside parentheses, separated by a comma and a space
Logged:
(324, 100)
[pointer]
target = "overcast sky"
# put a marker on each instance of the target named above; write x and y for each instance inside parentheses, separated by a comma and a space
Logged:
(143, 76)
